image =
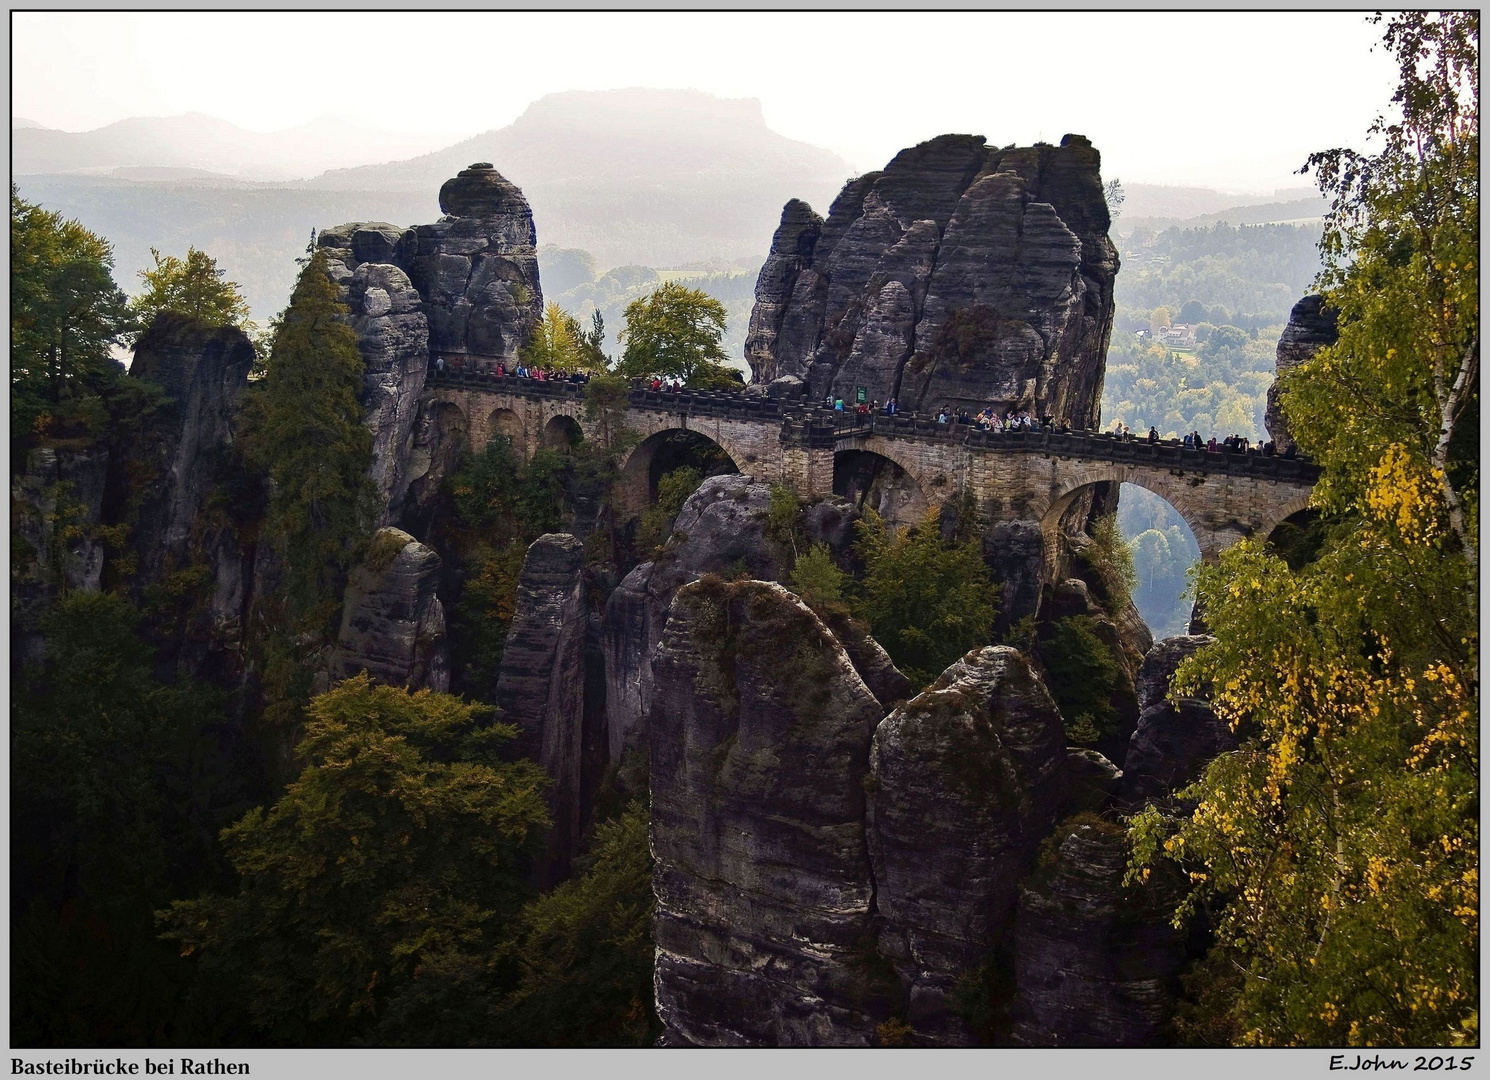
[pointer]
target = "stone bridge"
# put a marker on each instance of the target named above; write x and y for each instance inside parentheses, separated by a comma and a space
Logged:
(1013, 475)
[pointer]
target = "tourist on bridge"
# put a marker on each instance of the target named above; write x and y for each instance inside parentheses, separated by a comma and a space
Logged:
(1153, 435)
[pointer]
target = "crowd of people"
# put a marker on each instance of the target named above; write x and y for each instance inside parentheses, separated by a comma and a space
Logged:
(523, 371)
(988, 419)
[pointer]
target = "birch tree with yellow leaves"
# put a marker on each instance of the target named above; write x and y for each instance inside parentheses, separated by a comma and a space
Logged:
(1336, 851)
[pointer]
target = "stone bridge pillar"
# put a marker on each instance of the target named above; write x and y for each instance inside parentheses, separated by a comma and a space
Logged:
(807, 457)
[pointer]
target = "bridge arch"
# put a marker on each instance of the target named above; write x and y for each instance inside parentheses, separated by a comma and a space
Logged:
(935, 484)
(562, 432)
(868, 477)
(642, 467)
(504, 421)
(1210, 537)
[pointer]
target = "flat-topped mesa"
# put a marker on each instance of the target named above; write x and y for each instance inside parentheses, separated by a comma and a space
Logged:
(962, 275)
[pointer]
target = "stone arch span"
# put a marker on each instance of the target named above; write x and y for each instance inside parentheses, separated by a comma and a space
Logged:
(504, 421)
(638, 482)
(937, 479)
(869, 478)
(1195, 498)
(562, 432)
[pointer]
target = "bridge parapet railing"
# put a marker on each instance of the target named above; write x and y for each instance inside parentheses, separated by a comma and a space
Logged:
(822, 426)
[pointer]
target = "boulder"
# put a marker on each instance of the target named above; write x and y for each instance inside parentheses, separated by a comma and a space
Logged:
(759, 731)
(1091, 781)
(393, 624)
(477, 270)
(966, 779)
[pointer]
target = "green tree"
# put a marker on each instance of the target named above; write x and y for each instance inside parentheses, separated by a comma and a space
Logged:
(66, 313)
(674, 333)
(607, 401)
(118, 788)
(304, 429)
(402, 849)
(193, 286)
(559, 344)
(818, 581)
(500, 504)
(656, 522)
(1083, 674)
(1339, 845)
(926, 602)
(584, 951)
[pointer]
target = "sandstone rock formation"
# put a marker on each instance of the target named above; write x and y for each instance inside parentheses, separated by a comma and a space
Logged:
(172, 470)
(720, 529)
(961, 274)
(1094, 961)
(1311, 326)
(1124, 636)
(1172, 744)
(1014, 552)
(56, 502)
(541, 684)
(477, 269)
(393, 624)
(464, 289)
(759, 731)
(393, 337)
(203, 369)
(966, 779)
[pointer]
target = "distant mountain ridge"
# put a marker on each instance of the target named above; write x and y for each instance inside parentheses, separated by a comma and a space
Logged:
(655, 177)
(197, 141)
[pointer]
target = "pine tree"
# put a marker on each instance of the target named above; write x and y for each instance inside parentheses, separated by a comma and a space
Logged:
(305, 430)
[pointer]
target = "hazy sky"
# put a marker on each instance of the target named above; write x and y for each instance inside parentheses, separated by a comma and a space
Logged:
(1228, 100)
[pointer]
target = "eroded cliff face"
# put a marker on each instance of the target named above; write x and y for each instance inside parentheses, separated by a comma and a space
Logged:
(966, 779)
(1311, 327)
(1095, 961)
(541, 685)
(721, 526)
(759, 729)
(393, 337)
(56, 504)
(961, 274)
(1173, 741)
(463, 289)
(393, 624)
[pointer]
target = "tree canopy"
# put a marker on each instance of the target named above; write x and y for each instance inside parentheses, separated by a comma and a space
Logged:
(559, 343)
(193, 286)
(399, 853)
(1339, 845)
(674, 333)
(928, 602)
(66, 312)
